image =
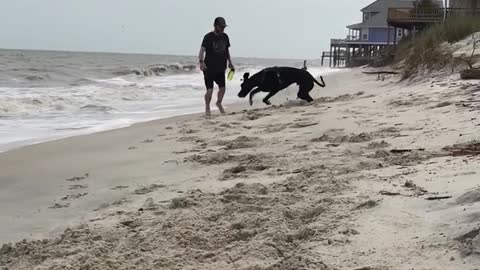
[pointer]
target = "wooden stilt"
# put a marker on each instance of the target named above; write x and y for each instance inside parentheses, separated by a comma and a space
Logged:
(388, 35)
(331, 55)
(347, 63)
(395, 36)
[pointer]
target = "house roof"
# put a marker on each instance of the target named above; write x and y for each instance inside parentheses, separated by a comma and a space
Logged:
(380, 10)
(381, 5)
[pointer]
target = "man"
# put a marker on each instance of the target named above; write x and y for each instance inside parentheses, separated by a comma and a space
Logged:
(213, 57)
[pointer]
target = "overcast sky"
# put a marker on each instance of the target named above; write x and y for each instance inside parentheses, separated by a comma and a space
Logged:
(257, 28)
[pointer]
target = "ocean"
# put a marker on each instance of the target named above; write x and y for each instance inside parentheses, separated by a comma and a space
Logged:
(47, 95)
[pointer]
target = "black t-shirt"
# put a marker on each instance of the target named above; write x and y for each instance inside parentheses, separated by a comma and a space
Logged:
(216, 48)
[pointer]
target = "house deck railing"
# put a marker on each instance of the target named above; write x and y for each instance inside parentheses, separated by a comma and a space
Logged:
(427, 14)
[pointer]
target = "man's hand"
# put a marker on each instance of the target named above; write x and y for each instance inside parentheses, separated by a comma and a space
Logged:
(230, 65)
(203, 67)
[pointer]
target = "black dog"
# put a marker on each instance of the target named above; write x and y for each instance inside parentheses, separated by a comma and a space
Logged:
(275, 79)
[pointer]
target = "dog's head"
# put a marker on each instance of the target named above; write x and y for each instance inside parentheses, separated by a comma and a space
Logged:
(247, 85)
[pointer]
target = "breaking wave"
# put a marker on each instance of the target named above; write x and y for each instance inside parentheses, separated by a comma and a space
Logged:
(158, 70)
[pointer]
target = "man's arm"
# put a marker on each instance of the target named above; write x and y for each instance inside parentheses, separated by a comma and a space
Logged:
(201, 59)
(201, 54)
(228, 56)
(229, 59)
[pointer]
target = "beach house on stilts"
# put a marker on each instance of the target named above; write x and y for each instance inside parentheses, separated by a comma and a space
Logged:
(368, 38)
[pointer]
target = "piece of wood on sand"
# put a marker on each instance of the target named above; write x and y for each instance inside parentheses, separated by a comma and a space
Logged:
(470, 74)
(380, 73)
(437, 198)
(402, 151)
(389, 193)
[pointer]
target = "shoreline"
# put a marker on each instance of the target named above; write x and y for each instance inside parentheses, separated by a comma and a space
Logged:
(241, 104)
(167, 119)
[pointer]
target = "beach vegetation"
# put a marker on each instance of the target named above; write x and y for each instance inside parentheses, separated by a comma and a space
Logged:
(428, 50)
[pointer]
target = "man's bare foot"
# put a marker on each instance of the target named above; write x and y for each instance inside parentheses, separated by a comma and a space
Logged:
(208, 113)
(220, 108)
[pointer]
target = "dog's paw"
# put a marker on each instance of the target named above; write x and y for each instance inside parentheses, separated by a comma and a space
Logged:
(267, 102)
(251, 102)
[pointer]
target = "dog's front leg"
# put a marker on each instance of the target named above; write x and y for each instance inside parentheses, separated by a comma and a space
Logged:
(271, 94)
(253, 93)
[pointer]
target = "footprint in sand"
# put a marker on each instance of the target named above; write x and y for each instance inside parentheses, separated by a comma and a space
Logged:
(149, 189)
(119, 187)
(132, 148)
(101, 207)
(298, 111)
(185, 151)
(252, 115)
(59, 205)
(189, 139)
(376, 145)
(120, 202)
(240, 142)
(241, 171)
(226, 125)
(188, 131)
(275, 128)
(77, 178)
(303, 124)
(73, 196)
(310, 114)
(75, 187)
(147, 141)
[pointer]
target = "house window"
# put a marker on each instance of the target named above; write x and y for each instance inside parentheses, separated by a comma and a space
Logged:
(365, 34)
(366, 16)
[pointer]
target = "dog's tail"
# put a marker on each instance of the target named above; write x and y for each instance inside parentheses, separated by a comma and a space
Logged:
(322, 84)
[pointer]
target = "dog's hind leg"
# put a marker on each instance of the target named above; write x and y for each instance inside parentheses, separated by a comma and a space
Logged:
(305, 96)
(253, 93)
(303, 92)
(271, 94)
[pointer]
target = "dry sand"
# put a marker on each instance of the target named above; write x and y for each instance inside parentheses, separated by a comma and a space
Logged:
(284, 187)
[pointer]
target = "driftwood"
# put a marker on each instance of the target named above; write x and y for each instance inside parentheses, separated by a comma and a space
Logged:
(438, 198)
(468, 149)
(379, 72)
(470, 74)
(402, 151)
(388, 193)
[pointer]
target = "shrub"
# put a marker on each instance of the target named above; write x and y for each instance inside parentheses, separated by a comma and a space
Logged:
(457, 28)
(426, 50)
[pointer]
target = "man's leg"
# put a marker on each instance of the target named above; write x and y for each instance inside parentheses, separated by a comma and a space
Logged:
(208, 99)
(220, 80)
(221, 94)
(208, 95)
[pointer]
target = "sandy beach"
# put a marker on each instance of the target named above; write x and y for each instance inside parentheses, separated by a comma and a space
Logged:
(377, 173)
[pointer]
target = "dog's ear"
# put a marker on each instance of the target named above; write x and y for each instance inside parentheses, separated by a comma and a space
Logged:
(246, 75)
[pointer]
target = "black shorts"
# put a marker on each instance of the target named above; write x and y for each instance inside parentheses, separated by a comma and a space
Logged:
(217, 77)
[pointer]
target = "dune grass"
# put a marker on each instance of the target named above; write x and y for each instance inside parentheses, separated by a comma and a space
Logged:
(426, 50)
